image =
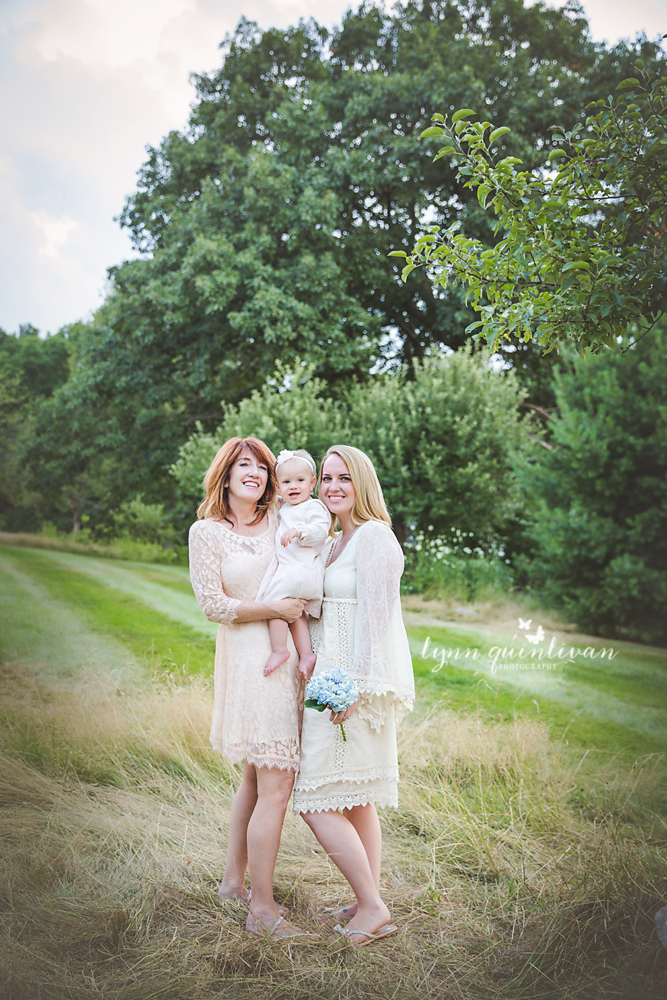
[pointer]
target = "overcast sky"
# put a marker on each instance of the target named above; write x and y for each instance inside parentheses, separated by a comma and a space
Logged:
(85, 85)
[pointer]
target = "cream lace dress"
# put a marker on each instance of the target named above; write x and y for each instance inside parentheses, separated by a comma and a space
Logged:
(362, 631)
(255, 718)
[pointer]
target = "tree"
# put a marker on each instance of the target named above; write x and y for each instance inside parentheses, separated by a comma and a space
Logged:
(582, 250)
(31, 369)
(268, 221)
(598, 508)
(265, 226)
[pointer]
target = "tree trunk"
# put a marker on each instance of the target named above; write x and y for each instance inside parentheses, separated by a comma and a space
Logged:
(76, 520)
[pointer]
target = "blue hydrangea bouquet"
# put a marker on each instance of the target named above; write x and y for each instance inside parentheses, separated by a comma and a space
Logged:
(333, 689)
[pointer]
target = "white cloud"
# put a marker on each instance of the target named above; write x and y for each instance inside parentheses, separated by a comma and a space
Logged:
(85, 85)
(55, 233)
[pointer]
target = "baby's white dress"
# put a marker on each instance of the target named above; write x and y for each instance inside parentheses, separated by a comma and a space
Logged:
(297, 569)
(362, 631)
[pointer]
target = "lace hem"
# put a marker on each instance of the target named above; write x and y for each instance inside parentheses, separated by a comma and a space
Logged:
(337, 803)
(262, 759)
(383, 772)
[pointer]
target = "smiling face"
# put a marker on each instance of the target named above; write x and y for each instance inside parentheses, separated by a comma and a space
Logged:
(295, 481)
(336, 487)
(247, 478)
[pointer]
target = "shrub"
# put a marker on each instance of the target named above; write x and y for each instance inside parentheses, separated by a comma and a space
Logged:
(437, 566)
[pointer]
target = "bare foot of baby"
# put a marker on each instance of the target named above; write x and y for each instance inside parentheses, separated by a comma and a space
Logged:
(275, 660)
(306, 665)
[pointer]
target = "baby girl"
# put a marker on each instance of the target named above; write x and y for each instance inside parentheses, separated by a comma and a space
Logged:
(297, 568)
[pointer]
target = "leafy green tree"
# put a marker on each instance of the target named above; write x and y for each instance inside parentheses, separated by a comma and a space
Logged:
(31, 369)
(599, 496)
(267, 223)
(582, 248)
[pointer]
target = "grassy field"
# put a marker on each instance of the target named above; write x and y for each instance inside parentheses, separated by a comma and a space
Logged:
(527, 858)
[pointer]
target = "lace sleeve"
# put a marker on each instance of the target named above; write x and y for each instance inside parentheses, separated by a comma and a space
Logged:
(206, 576)
(379, 563)
(382, 662)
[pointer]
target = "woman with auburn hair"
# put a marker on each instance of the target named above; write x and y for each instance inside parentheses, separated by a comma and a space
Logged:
(255, 718)
(342, 781)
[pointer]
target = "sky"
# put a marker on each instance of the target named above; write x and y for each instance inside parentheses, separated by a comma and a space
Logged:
(85, 86)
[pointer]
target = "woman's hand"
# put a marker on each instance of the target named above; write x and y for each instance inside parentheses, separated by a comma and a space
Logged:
(289, 608)
(338, 717)
(288, 537)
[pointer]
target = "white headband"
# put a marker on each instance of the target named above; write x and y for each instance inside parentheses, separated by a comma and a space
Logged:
(286, 455)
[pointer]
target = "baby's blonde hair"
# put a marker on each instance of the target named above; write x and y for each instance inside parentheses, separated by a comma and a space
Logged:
(369, 502)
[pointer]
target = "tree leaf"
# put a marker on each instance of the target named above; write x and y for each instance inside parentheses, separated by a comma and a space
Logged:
(581, 264)
(497, 133)
(406, 271)
(397, 253)
(463, 113)
(483, 192)
(431, 130)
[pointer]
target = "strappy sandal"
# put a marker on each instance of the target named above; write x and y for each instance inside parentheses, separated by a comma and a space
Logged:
(243, 902)
(279, 930)
(382, 932)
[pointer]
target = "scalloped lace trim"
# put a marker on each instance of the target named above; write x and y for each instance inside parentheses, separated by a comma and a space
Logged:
(336, 803)
(268, 760)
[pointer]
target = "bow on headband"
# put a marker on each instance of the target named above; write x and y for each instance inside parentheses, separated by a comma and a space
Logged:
(286, 455)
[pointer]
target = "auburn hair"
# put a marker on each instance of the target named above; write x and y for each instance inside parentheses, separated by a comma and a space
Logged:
(369, 502)
(216, 481)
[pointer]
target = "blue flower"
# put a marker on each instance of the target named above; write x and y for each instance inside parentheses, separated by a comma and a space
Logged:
(333, 689)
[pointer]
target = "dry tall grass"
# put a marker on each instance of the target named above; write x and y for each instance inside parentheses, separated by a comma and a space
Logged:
(510, 875)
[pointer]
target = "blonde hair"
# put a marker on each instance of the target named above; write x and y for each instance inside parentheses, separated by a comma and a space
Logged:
(369, 502)
(216, 481)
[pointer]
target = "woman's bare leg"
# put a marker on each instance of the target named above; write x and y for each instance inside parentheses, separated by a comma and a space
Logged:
(233, 879)
(278, 630)
(340, 839)
(366, 822)
(301, 636)
(274, 788)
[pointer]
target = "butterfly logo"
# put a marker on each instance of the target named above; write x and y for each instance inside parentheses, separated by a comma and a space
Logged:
(537, 637)
(523, 624)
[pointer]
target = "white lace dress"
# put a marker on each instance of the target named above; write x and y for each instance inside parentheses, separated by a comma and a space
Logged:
(362, 631)
(255, 718)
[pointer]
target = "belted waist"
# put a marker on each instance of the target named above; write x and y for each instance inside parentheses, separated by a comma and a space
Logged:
(339, 600)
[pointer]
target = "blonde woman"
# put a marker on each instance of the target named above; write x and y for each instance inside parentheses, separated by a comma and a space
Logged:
(341, 782)
(255, 718)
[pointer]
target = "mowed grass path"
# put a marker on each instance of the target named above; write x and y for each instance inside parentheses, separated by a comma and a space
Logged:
(148, 614)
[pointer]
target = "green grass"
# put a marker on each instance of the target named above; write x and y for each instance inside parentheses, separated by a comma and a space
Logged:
(515, 869)
(621, 706)
(150, 636)
(151, 611)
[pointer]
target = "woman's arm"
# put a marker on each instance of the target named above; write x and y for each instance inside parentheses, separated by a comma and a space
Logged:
(289, 609)
(206, 580)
